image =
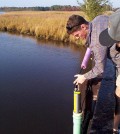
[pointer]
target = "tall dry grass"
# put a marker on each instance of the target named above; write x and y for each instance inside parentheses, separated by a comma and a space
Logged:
(47, 24)
(41, 24)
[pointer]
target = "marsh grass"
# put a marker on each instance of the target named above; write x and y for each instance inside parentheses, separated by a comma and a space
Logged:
(49, 25)
(46, 24)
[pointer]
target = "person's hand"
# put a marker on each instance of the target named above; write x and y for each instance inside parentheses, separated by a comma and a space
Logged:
(80, 79)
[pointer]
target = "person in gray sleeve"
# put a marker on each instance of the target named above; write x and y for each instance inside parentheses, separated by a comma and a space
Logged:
(113, 33)
(90, 31)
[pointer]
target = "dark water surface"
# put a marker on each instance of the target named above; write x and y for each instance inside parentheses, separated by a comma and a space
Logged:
(36, 90)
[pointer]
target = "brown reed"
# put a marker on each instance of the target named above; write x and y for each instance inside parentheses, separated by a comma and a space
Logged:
(41, 24)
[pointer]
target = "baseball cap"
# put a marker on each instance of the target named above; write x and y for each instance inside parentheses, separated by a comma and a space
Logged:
(114, 25)
(111, 35)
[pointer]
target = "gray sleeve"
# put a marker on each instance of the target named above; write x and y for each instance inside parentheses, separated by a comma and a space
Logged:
(115, 57)
(100, 55)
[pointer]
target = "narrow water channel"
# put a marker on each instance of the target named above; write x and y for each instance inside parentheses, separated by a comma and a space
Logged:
(36, 90)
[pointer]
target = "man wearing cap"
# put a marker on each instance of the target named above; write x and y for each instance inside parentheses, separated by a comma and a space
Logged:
(91, 32)
(111, 37)
(114, 32)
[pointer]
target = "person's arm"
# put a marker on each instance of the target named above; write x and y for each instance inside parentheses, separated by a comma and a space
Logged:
(99, 59)
(100, 53)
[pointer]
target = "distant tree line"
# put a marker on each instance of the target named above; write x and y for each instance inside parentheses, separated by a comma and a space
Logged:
(52, 8)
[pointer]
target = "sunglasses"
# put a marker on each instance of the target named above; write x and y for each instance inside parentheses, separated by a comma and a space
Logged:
(71, 27)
